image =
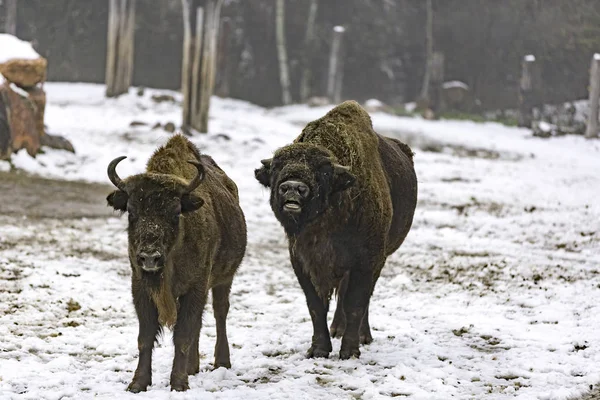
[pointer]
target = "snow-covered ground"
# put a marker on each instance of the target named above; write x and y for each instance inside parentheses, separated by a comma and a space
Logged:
(495, 293)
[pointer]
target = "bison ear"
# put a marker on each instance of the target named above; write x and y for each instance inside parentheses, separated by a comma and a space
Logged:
(263, 174)
(118, 200)
(342, 178)
(190, 202)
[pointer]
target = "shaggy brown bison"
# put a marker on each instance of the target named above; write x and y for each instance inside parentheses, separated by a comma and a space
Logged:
(345, 196)
(187, 234)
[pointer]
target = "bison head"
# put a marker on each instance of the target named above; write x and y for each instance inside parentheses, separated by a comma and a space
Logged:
(154, 203)
(304, 181)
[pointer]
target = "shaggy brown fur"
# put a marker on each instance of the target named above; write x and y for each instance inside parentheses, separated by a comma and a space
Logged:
(180, 246)
(352, 195)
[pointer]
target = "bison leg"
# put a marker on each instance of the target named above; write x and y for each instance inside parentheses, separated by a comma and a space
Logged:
(221, 309)
(338, 326)
(193, 363)
(321, 342)
(148, 329)
(365, 336)
(186, 332)
(355, 305)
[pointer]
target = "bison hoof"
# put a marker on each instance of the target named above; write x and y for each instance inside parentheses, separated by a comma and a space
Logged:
(136, 387)
(179, 386)
(346, 354)
(193, 370)
(366, 338)
(219, 364)
(337, 330)
(316, 352)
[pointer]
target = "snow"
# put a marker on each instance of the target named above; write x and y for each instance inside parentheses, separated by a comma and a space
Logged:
(455, 84)
(494, 294)
(374, 103)
(339, 29)
(530, 58)
(597, 56)
(12, 47)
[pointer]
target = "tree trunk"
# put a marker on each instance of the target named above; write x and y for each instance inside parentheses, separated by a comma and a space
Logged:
(120, 47)
(284, 74)
(592, 125)
(526, 92)
(185, 63)
(435, 86)
(334, 80)
(428, 53)
(197, 64)
(305, 82)
(111, 47)
(10, 20)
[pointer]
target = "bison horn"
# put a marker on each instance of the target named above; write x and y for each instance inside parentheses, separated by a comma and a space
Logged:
(112, 173)
(340, 167)
(197, 179)
(266, 162)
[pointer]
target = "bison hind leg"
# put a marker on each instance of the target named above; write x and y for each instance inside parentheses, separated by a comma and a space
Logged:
(193, 364)
(338, 326)
(220, 295)
(365, 336)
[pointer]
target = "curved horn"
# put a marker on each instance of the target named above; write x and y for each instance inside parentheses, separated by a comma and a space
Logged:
(266, 162)
(112, 173)
(197, 179)
(340, 167)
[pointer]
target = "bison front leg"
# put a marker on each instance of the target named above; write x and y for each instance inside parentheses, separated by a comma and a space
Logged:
(356, 303)
(185, 335)
(148, 329)
(321, 342)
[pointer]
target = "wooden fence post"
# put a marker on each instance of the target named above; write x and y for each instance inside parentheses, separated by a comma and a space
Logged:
(436, 82)
(526, 91)
(592, 125)
(336, 67)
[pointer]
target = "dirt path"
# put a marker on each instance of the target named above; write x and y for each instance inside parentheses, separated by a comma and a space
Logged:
(35, 197)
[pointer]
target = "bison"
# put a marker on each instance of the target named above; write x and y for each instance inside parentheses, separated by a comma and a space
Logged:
(345, 197)
(187, 234)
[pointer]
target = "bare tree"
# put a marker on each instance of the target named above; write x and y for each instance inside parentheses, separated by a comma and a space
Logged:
(119, 52)
(308, 46)
(10, 20)
(428, 52)
(284, 74)
(199, 62)
(336, 66)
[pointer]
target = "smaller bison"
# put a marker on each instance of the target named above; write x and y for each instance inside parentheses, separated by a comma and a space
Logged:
(187, 234)
(346, 197)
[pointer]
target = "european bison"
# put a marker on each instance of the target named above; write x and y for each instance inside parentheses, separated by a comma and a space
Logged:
(345, 196)
(187, 234)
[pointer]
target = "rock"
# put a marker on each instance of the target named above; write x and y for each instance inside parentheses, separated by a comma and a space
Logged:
(318, 101)
(57, 142)
(25, 73)
(169, 127)
(457, 96)
(157, 125)
(161, 98)
(137, 123)
(140, 91)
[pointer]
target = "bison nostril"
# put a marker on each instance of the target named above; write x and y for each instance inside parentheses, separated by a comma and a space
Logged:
(303, 190)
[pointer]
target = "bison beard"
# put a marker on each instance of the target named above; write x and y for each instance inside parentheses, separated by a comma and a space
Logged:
(187, 234)
(346, 197)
